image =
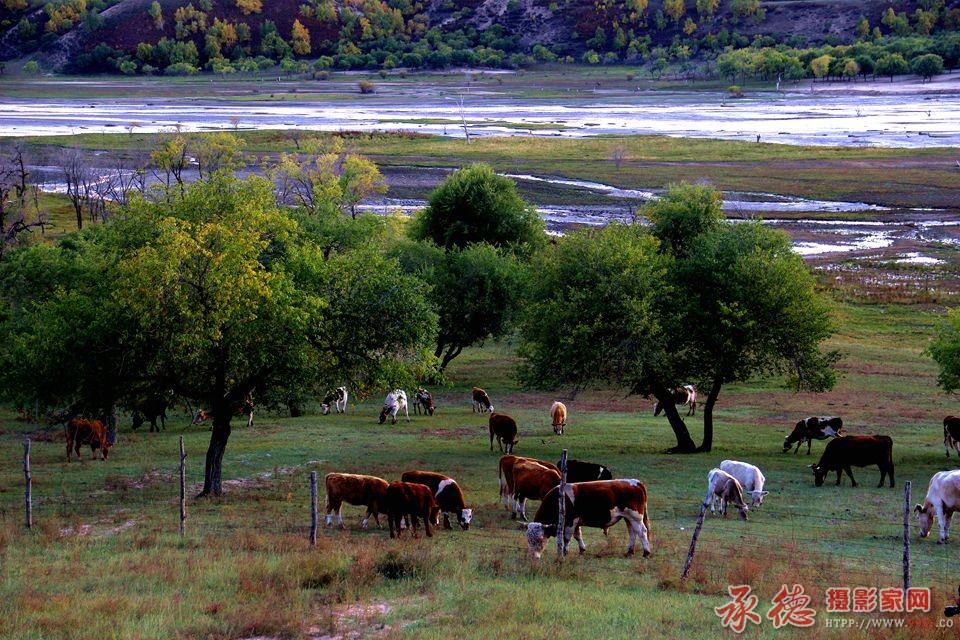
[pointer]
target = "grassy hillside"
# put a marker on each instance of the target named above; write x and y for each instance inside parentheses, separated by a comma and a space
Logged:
(104, 558)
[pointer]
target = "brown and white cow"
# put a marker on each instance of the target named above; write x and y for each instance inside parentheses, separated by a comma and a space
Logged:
(558, 413)
(412, 501)
(750, 477)
(685, 395)
(423, 401)
(395, 402)
(814, 427)
(722, 489)
(531, 480)
(356, 489)
(447, 493)
(504, 429)
(505, 475)
(245, 408)
(857, 451)
(80, 431)
(481, 401)
(598, 504)
(943, 498)
(951, 434)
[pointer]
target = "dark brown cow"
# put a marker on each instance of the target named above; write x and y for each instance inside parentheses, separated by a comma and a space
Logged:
(150, 410)
(412, 501)
(951, 434)
(81, 431)
(814, 427)
(858, 451)
(505, 475)
(481, 401)
(580, 471)
(367, 491)
(447, 493)
(504, 429)
(598, 504)
(531, 480)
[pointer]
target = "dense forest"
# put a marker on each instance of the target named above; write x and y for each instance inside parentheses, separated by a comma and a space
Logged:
(685, 38)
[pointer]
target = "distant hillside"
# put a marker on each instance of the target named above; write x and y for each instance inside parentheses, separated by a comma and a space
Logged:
(175, 36)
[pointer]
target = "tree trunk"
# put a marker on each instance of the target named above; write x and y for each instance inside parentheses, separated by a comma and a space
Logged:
(685, 443)
(707, 445)
(452, 352)
(218, 445)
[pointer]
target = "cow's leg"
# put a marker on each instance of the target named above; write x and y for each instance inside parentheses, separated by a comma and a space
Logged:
(849, 471)
(577, 535)
(945, 524)
(637, 529)
(809, 445)
(406, 412)
(394, 521)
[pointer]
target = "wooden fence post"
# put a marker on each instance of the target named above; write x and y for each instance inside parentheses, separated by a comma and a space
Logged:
(183, 489)
(693, 543)
(313, 508)
(28, 491)
(906, 536)
(562, 512)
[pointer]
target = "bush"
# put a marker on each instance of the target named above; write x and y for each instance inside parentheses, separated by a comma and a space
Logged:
(181, 69)
(366, 86)
(31, 68)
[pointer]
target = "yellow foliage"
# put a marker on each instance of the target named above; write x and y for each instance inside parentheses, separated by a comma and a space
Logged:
(250, 6)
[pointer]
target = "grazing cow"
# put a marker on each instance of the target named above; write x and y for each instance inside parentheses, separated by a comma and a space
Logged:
(951, 434)
(724, 488)
(685, 395)
(530, 480)
(580, 471)
(504, 429)
(814, 427)
(857, 451)
(750, 478)
(243, 409)
(367, 491)
(505, 475)
(481, 401)
(394, 403)
(412, 501)
(943, 498)
(80, 431)
(447, 493)
(338, 398)
(558, 411)
(150, 410)
(598, 504)
(423, 400)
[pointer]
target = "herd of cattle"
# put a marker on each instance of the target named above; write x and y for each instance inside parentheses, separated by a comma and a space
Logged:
(592, 496)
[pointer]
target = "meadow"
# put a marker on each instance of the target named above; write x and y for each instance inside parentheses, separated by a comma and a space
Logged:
(105, 560)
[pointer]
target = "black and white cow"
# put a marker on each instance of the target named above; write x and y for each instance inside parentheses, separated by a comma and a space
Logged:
(814, 427)
(337, 397)
(951, 434)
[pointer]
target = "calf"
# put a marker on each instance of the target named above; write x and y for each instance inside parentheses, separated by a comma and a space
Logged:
(367, 491)
(598, 504)
(579, 471)
(80, 431)
(558, 412)
(685, 395)
(412, 501)
(395, 402)
(504, 429)
(723, 488)
(337, 397)
(951, 434)
(750, 478)
(530, 480)
(819, 427)
(447, 493)
(481, 401)
(505, 475)
(423, 400)
(857, 451)
(943, 498)
(245, 408)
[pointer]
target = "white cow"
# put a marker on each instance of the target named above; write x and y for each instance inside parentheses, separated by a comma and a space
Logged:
(724, 486)
(395, 401)
(943, 498)
(750, 478)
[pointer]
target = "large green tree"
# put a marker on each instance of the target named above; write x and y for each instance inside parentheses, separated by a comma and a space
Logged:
(215, 295)
(945, 350)
(477, 205)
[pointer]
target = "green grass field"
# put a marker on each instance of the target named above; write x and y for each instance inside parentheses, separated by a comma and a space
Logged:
(104, 559)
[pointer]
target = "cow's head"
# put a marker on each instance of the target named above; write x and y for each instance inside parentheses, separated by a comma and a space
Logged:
(537, 535)
(325, 408)
(558, 429)
(819, 473)
(924, 519)
(757, 498)
(383, 415)
(466, 516)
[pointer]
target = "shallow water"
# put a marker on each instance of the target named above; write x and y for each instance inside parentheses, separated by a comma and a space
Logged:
(800, 117)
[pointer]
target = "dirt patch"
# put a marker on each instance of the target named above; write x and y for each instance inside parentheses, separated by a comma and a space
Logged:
(462, 432)
(96, 530)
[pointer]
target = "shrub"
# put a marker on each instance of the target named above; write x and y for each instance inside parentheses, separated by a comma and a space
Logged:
(181, 69)
(366, 86)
